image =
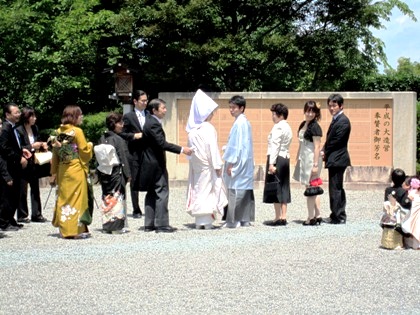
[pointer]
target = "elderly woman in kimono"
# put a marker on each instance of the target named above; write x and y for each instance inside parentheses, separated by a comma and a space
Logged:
(206, 195)
(113, 172)
(69, 170)
(238, 172)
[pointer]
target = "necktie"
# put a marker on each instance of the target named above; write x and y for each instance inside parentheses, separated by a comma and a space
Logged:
(141, 118)
(16, 135)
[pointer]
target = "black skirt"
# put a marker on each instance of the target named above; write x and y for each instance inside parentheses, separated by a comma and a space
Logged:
(277, 186)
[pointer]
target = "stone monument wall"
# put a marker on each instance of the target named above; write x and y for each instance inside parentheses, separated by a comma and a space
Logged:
(383, 129)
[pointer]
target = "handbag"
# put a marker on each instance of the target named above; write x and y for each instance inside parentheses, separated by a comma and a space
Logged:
(42, 158)
(271, 189)
(43, 170)
(313, 191)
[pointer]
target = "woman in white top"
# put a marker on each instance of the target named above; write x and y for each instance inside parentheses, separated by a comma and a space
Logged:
(277, 181)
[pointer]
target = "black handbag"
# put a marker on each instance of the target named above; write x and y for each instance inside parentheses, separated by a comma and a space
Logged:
(271, 189)
(43, 170)
(313, 191)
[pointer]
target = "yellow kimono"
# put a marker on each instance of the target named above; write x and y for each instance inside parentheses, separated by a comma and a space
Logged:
(73, 210)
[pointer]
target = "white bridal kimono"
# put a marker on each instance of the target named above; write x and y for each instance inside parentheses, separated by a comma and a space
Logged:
(206, 196)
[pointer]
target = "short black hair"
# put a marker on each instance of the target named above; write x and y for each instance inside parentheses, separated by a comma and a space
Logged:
(238, 100)
(137, 94)
(336, 98)
(398, 177)
(280, 110)
(112, 119)
(154, 105)
(7, 108)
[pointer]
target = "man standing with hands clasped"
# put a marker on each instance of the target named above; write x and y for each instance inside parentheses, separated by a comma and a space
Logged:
(337, 158)
(15, 159)
(132, 133)
(239, 168)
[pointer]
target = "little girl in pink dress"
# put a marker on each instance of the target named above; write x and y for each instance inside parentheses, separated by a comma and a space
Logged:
(411, 223)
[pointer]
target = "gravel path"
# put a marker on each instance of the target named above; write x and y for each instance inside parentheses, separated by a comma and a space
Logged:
(328, 269)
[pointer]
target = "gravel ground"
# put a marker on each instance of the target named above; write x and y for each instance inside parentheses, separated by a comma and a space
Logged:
(328, 269)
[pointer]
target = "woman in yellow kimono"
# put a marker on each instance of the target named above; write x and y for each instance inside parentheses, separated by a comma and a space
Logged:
(69, 170)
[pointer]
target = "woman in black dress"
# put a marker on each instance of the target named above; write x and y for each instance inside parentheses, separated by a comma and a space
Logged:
(30, 139)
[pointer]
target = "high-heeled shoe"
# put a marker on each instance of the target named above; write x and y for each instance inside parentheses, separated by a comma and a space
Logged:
(318, 220)
(312, 221)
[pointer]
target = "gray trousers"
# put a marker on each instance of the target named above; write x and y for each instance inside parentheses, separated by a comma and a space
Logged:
(156, 203)
(241, 206)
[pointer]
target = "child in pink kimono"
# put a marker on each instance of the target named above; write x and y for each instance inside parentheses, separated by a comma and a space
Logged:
(411, 223)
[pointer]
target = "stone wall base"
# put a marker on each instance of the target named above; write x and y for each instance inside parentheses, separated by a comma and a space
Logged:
(355, 178)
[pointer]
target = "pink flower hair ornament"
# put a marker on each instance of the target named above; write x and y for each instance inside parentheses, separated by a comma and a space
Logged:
(415, 183)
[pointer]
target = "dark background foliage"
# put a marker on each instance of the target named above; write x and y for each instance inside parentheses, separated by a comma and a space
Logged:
(54, 53)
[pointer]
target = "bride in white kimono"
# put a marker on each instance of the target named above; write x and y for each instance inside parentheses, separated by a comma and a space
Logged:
(206, 195)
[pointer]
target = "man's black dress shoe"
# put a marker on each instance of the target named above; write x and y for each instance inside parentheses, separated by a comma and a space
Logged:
(137, 215)
(331, 221)
(40, 219)
(24, 220)
(10, 228)
(165, 229)
(149, 228)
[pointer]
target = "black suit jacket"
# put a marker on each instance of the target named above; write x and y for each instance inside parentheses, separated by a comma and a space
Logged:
(135, 146)
(10, 150)
(132, 126)
(153, 164)
(335, 147)
(28, 172)
(25, 138)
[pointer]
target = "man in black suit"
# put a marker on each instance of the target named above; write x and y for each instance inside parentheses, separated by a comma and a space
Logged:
(153, 174)
(337, 158)
(15, 158)
(132, 133)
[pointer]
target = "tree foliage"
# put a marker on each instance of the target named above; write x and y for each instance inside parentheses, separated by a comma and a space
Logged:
(405, 78)
(234, 45)
(53, 53)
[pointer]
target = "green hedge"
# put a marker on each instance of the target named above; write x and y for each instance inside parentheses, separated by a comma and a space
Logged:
(94, 126)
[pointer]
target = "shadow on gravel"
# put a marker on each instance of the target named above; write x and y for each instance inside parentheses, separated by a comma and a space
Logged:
(57, 235)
